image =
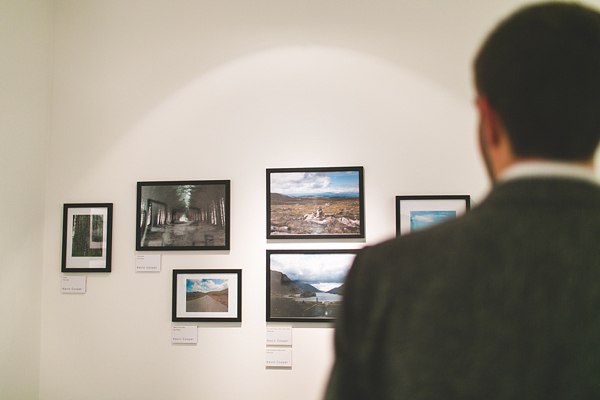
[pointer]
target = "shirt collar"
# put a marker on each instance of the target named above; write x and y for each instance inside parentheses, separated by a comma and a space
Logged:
(547, 169)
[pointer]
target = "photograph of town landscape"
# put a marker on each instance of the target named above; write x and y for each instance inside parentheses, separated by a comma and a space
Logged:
(315, 203)
(306, 285)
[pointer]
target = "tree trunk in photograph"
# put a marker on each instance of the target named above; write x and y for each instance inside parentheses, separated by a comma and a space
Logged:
(81, 235)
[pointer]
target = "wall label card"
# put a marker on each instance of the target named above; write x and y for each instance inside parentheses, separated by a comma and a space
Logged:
(279, 336)
(73, 284)
(184, 334)
(277, 357)
(147, 262)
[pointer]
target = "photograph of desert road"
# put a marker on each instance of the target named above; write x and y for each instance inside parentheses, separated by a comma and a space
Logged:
(315, 203)
(206, 295)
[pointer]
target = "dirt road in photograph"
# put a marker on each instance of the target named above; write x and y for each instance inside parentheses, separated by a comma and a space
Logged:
(205, 304)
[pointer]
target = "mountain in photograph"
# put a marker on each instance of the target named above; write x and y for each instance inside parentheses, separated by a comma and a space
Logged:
(337, 290)
(307, 287)
(216, 301)
(278, 198)
(291, 299)
(221, 296)
(281, 284)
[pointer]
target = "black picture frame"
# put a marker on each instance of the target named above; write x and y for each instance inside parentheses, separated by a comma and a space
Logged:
(183, 215)
(421, 211)
(87, 237)
(294, 299)
(207, 295)
(315, 203)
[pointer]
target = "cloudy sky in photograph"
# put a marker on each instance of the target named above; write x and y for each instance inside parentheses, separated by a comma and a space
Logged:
(205, 285)
(313, 268)
(314, 183)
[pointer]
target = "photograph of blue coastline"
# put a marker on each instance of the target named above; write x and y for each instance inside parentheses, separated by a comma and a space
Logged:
(315, 202)
(306, 285)
(425, 219)
(206, 295)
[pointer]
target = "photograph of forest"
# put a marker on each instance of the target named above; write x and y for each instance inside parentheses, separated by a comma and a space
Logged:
(87, 237)
(184, 215)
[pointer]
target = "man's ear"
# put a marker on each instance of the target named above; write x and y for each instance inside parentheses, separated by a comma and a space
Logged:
(491, 125)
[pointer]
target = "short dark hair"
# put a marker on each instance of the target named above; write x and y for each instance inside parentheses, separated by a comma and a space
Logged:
(540, 70)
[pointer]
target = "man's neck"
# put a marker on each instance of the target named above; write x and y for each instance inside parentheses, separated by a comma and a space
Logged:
(548, 168)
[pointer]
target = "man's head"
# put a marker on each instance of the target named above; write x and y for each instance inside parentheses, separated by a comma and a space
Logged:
(539, 74)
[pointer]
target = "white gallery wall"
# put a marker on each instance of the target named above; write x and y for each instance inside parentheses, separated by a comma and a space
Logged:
(25, 29)
(117, 92)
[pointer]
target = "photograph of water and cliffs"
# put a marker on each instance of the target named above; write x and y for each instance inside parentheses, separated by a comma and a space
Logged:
(306, 285)
(315, 202)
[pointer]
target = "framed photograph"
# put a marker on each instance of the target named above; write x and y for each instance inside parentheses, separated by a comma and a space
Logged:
(316, 203)
(87, 237)
(183, 215)
(414, 213)
(207, 295)
(306, 285)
